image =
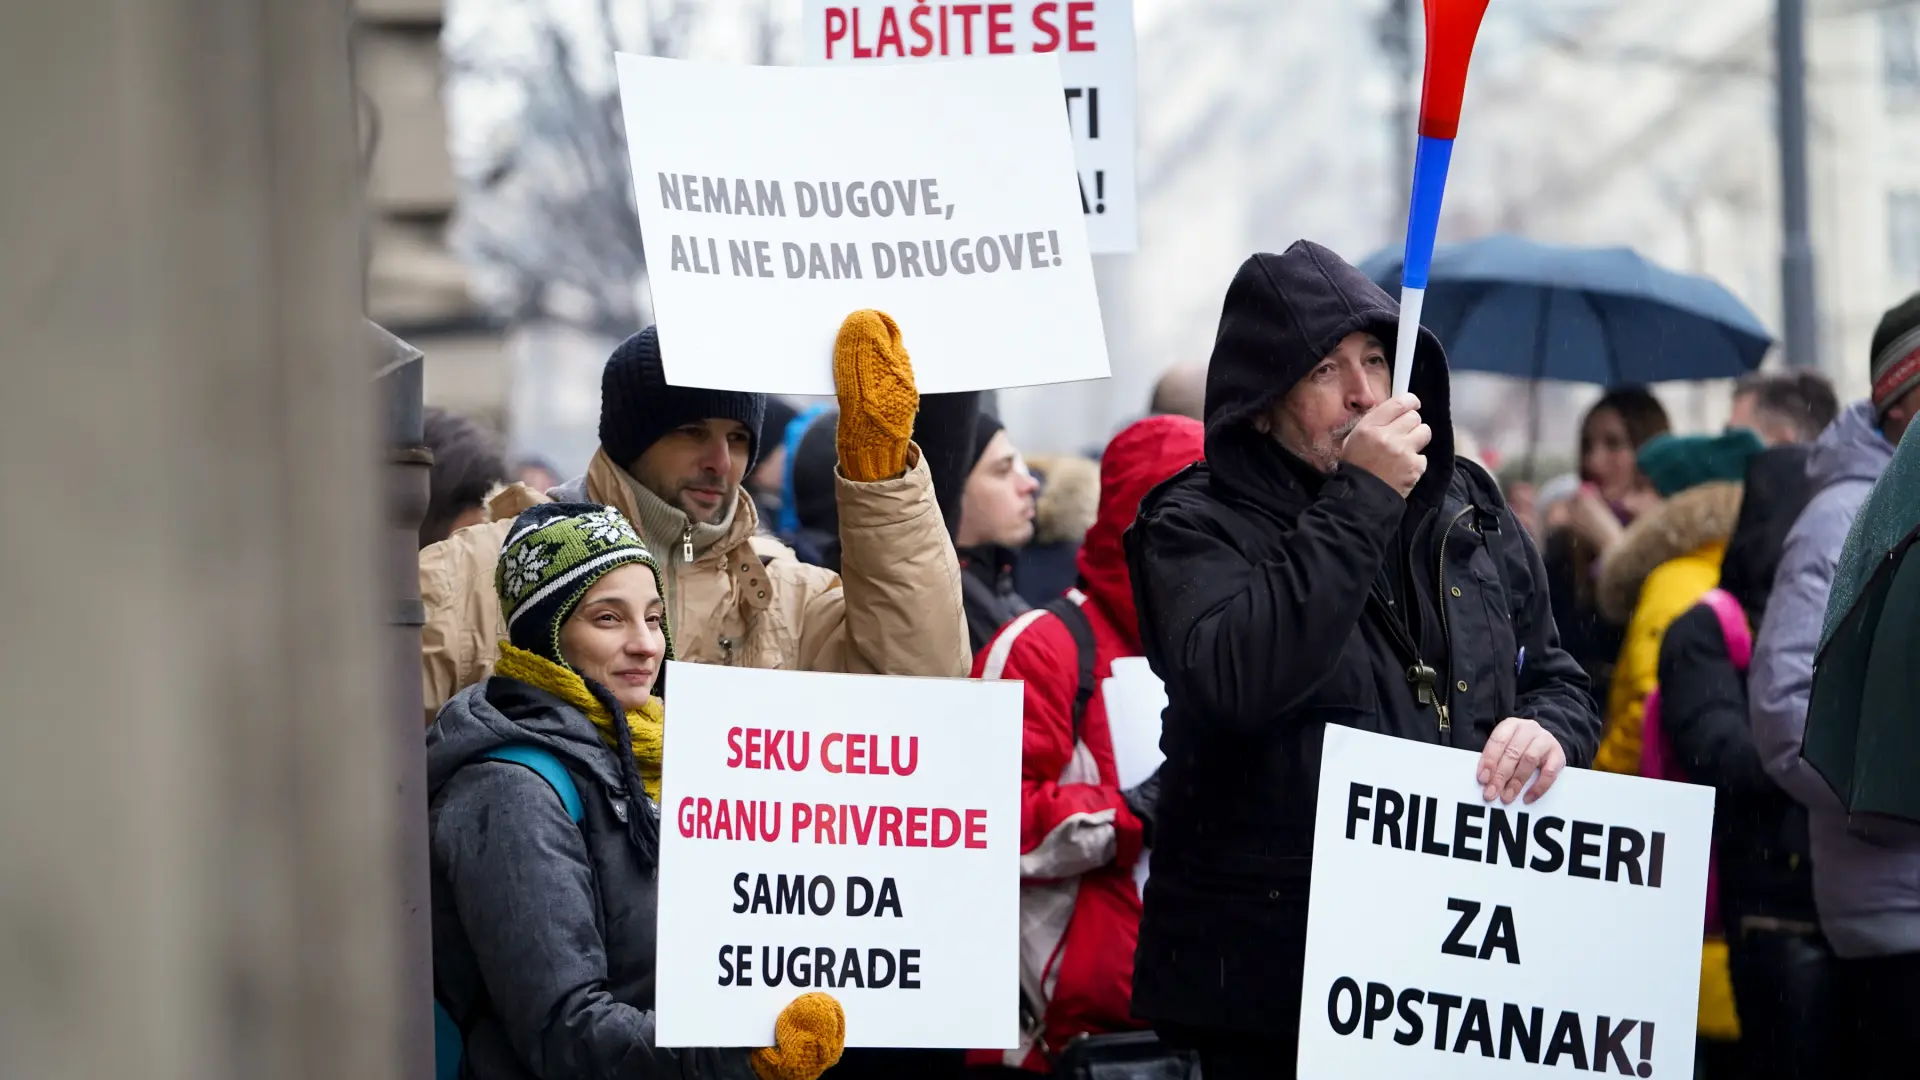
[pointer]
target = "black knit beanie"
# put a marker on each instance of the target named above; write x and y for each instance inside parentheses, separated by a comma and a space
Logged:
(637, 406)
(815, 495)
(773, 428)
(1895, 366)
(985, 427)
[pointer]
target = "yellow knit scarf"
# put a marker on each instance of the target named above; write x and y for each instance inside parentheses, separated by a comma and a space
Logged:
(648, 724)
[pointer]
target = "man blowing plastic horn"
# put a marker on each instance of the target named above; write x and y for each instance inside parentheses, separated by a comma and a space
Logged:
(1330, 563)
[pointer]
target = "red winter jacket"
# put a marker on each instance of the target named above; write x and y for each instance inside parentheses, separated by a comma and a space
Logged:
(1079, 909)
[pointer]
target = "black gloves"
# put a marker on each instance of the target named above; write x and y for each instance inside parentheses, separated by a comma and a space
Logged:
(1142, 799)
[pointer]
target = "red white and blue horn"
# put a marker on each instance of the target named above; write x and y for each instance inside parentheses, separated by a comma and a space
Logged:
(1452, 26)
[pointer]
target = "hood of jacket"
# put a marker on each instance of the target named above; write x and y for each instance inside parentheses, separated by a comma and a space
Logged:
(990, 564)
(1069, 497)
(1890, 513)
(1283, 314)
(1851, 449)
(1777, 489)
(1143, 455)
(500, 711)
(1683, 524)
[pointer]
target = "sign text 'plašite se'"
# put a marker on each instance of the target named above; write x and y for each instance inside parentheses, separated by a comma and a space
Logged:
(1092, 39)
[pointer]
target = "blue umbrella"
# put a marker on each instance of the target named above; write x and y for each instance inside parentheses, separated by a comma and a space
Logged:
(1518, 307)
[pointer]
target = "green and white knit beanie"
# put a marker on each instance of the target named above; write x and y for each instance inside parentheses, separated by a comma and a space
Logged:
(553, 554)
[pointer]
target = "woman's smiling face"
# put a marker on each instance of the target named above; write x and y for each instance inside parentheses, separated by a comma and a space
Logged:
(617, 635)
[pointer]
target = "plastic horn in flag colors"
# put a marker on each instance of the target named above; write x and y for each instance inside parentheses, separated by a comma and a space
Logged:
(1451, 27)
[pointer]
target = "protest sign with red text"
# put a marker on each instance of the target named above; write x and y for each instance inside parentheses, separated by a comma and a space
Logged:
(854, 834)
(1093, 40)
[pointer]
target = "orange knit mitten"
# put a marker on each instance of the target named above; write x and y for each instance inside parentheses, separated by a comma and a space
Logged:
(807, 1039)
(877, 397)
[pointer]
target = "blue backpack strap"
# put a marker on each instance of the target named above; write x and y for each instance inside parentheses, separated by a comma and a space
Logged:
(449, 1044)
(547, 764)
(449, 1040)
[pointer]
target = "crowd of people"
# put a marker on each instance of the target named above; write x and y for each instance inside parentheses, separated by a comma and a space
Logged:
(1286, 543)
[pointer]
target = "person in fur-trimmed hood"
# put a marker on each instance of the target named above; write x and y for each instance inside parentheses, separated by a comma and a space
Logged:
(1665, 563)
(1669, 558)
(1762, 932)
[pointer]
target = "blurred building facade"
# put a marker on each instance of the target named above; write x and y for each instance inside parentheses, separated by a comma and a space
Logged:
(1634, 122)
(1653, 125)
(1259, 124)
(415, 285)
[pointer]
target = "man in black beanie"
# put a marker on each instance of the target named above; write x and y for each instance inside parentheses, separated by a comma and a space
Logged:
(996, 521)
(690, 447)
(672, 459)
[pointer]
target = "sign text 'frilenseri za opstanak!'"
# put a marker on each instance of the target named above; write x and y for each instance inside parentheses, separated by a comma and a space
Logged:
(1450, 936)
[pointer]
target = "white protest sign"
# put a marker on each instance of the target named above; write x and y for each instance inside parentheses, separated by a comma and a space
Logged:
(1093, 40)
(776, 201)
(1134, 698)
(853, 834)
(1450, 937)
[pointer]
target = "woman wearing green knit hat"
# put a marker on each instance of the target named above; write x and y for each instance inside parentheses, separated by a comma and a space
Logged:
(544, 784)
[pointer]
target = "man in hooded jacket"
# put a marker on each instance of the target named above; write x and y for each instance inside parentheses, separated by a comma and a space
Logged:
(1318, 569)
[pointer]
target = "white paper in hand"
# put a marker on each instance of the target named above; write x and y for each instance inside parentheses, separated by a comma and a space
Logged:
(1135, 698)
(775, 200)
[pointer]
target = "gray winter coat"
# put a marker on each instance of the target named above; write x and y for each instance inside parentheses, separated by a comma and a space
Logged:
(1868, 896)
(544, 930)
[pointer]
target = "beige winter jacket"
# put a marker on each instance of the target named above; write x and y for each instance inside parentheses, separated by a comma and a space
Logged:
(894, 609)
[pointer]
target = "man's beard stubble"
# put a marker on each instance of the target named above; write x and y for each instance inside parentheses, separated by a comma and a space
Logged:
(1325, 452)
(728, 496)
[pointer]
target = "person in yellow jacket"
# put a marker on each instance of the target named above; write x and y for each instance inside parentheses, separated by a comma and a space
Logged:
(671, 460)
(1668, 559)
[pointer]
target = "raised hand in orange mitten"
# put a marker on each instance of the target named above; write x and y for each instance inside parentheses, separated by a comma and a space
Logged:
(808, 1038)
(878, 400)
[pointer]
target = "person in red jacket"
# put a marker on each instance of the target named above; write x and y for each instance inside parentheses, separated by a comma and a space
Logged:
(1080, 834)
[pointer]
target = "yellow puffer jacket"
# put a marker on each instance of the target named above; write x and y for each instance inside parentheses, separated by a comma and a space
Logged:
(1668, 560)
